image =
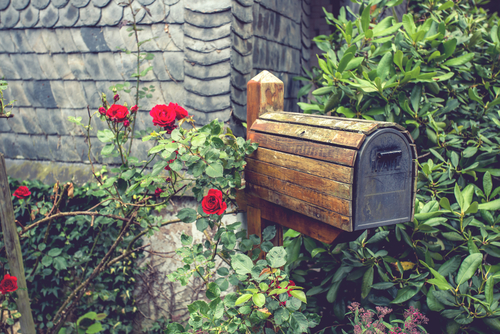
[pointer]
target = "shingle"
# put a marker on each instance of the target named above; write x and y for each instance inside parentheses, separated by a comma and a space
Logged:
(202, 117)
(207, 87)
(7, 67)
(49, 16)
(29, 119)
(170, 2)
(47, 65)
(93, 66)
(129, 41)
(113, 38)
(69, 15)
(207, 20)
(40, 4)
(246, 3)
(9, 142)
(219, 70)
(208, 6)
(77, 66)
(75, 91)
(42, 148)
(243, 30)
(20, 4)
(4, 4)
(100, 3)
(207, 103)
(125, 64)
(207, 58)
(51, 121)
(174, 63)
(202, 46)
(51, 41)
(159, 68)
(140, 12)
(145, 2)
(19, 38)
(207, 34)
(173, 92)
(35, 39)
(238, 96)
(59, 3)
(76, 35)
(158, 13)
(244, 14)
(66, 40)
(62, 68)
(80, 3)
(27, 66)
(29, 17)
(16, 122)
(9, 17)
(16, 92)
(94, 38)
(240, 80)
(6, 42)
(40, 93)
(89, 16)
(107, 61)
(164, 40)
(242, 64)
(111, 14)
(239, 111)
(91, 94)
(146, 34)
(176, 14)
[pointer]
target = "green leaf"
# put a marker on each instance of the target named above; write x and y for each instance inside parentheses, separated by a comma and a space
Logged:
(300, 295)
(460, 60)
(437, 155)
(316, 251)
(488, 290)
(450, 266)
(416, 94)
(215, 170)
(243, 298)
(468, 267)
(187, 215)
(433, 302)
(367, 283)
(446, 5)
(55, 252)
(60, 263)
(406, 293)
(199, 140)
(458, 196)
(491, 206)
(408, 24)
(445, 203)
(354, 63)
(259, 299)
(398, 60)
(108, 149)
(94, 328)
(332, 292)
(202, 224)
(384, 66)
(487, 184)
(344, 61)
(47, 260)
(365, 19)
(276, 257)
(242, 264)
(298, 322)
(105, 136)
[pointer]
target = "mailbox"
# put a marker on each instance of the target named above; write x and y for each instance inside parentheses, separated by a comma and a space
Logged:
(351, 174)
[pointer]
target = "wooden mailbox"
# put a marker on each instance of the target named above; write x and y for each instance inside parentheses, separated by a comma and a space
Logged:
(321, 175)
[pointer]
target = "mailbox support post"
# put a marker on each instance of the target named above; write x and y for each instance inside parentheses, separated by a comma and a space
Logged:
(13, 250)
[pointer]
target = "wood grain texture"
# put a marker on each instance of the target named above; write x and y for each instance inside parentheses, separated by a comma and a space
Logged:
(289, 218)
(326, 186)
(339, 155)
(322, 135)
(319, 168)
(329, 217)
(342, 206)
(13, 250)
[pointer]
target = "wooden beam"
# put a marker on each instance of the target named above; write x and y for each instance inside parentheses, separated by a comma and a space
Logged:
(13, 249)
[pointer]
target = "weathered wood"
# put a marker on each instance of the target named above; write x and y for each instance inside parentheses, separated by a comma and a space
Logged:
(253, 221)
(13, 250)
(332, 218)
(319, 168)
(326, 186)
(342, 206)
(278, 238)
(339, 155)
(265, 93)
(289, 218)
(317, 134)
(337, 123)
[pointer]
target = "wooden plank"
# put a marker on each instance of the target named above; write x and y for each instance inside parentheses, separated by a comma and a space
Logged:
(342, 206)
(13, 250)
(322, 135)
(320, 168)
(291, 219)
(253, 221)
(326, 186)
(339, 155)
(265, 93)
(321, 214)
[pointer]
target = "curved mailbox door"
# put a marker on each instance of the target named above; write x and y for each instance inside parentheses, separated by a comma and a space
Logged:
(384, 176)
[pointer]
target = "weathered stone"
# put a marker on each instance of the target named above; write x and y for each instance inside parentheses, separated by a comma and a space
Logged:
(92, 96)
(219, 70)
(113, 38)
(207, 58)
(146, 34)
(238, 96)
(94, 39)
(4, 126)
(202, 117)
(21, 42)
(89, 16)
(158, 13)
(174, 63)
(9, 144)
(77, 66)
(125, 64)
(51, 121)
(74, 91)
(4, 4)
(159, 68)
(25, 147)
(16, 122)
(27, 66)
(66, 151)
(40, 4)
(68, 15)
(145, 2)
(165, 40)
(207, 34)
(173, 92)
(6, 43)
(208, 6)
(201, 46)
(9, 17)
(30, 121)
(246, 3)
(139, 13)
(202, 20)
(59, 3)
(29, 17)
(7, 67)
(111, 15)
(80, 3)
(71, 128)
(170, 2)
(42, 149)
(240, 111)
(16, 92)
(39, 94)
(34, 38)
(78, 39)
(289, 8)
(49, 16)
(275, 27)
(207, 87)
(93, 67)
(65, 39)
(20, 4)
(50, 40)
(242, 29)
(207, 103)
(306, 53)
(244, 65)
(100, 3)
(63, 69)
(107, 61)
(176, 14)
(306, 41)
(307, 8)
(244, 14)
(240, 80)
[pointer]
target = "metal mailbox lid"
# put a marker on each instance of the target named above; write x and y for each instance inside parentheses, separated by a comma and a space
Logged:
(384, 178)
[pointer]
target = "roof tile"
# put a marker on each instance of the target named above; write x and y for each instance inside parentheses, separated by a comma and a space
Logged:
(7, 67)
(158, 13)
(208, 58)
(40, 4)
(29, 17)
(204, 117)
(20, 4)
(4, 4)
(176, 14)
(145, 2)
(9, 17)
(27, 66)
(170, 2)
(75, 91)
(207, 103)
(51, 41)
(89, 16)
(207, 20)
(78, 39)
(100, 3)
(21, 42)
(207, 34)
(207, 87)
(93, 66)
(34, 37)
(219, 70)
(107, 62)
(208, 6)
(63, 67)
(244, 14)
(59, 3)
(113, 38)
(173, 92)
(29, 119)
(46, 62)
(164, 40)
(111, 14)
(92, 96)
(16, 90)
(174, 63)
(68, 15)
(94, 38)
(49, 16)
(77, 66)
(66, 40)
(80, 3)
(140, 12)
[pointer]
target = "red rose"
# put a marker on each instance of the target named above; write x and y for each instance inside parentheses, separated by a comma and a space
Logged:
(213, 203)
(158, 191)
(8, 284)
(134, 109)
(126, 123)
(22, 192)
(102, 111)
(180, 112)
(116, 97)
(163, 116)
(117, 113)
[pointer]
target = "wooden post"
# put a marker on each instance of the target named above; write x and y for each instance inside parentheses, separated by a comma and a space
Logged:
(265, 92)
(13, 249)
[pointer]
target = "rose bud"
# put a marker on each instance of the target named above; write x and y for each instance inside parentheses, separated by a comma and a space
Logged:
(102, 111)
(168, 179)
(134, 109)
(126, 123)
(158, 191)
(116, 97)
